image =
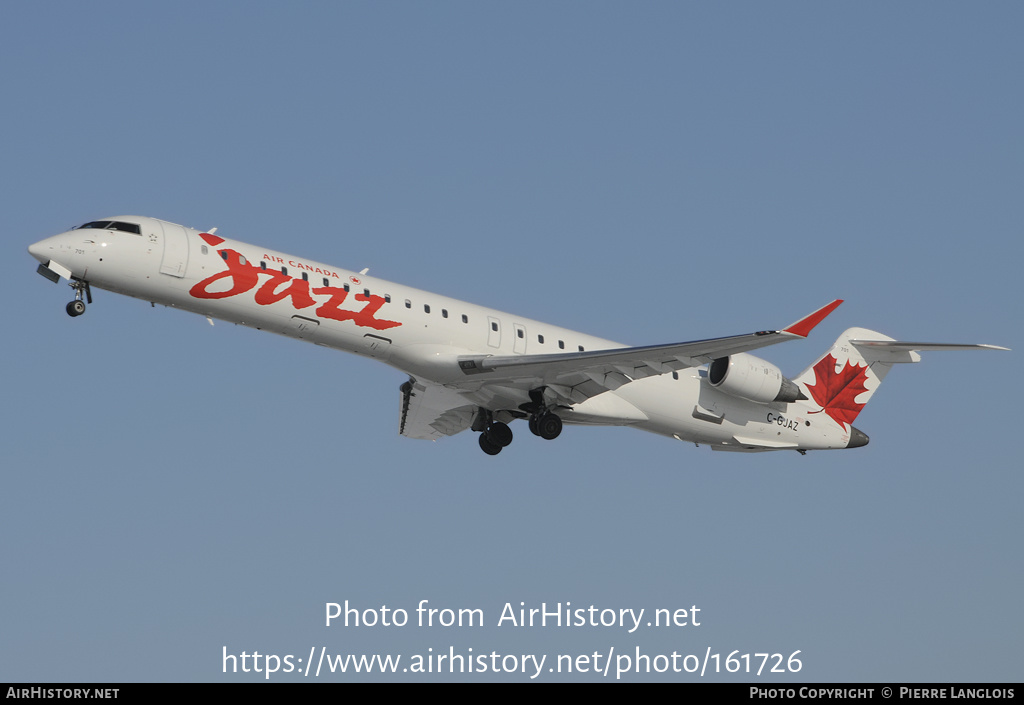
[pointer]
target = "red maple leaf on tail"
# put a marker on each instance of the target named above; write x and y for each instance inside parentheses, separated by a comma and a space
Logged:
(835, 391)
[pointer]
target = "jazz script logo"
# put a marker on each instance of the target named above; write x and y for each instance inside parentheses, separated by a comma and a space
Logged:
(241, 277)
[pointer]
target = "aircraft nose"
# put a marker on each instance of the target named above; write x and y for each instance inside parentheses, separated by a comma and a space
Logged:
(44, 249)
(37, 250)
(857, 438)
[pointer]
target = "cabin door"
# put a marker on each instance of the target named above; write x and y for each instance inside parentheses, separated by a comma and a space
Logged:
(175, 250)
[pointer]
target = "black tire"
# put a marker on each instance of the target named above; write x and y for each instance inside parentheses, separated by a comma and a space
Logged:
(549, 426)
(499, 434)
(533, 425)
(75, 308)
(488, 447)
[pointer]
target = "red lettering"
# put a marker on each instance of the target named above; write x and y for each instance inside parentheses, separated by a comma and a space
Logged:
(365, 317)
(297, 289)
(243, 278)
(330, 308)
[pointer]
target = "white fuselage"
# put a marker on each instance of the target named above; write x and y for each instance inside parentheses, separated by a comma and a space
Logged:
(418, 332)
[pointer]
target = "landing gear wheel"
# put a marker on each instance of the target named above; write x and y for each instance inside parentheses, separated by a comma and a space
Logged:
(533, 425)
(498, 434)
(548, 425)
(487, 446)
(75, 308)
(82, 294)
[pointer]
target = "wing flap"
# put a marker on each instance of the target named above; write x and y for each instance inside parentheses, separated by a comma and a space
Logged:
(430, 411)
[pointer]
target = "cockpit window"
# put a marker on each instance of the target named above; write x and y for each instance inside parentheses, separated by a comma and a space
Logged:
(113, 225)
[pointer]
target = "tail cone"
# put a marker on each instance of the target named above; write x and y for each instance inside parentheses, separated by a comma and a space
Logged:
(857, 438)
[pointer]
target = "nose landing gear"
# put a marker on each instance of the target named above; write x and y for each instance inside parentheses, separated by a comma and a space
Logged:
(75, 308)
(82, 290)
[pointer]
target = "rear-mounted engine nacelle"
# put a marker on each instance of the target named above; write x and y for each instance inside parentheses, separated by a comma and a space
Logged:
(752, 378)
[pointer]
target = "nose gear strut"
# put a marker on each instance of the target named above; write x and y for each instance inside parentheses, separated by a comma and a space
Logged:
(77, 307)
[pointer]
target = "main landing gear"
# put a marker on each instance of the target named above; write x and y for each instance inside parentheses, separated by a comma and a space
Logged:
(495, 435)
(547, 425)
(82, 290)
(543, 422)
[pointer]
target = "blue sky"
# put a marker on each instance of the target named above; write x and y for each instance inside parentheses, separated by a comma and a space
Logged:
(647, 173)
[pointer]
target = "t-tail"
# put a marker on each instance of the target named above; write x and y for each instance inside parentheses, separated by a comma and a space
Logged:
(842, 381)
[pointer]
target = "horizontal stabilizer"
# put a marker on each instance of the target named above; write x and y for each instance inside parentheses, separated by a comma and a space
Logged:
(903, 345)
(895, 351)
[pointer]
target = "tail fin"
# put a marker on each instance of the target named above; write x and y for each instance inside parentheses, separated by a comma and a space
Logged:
(841, 381)
(845, 378)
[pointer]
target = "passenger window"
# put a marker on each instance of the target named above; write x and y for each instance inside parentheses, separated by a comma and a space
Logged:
(494, 326)
(345, 287)
(205, 251)
(387, 298)
(561, 345)
(305, 277)
(326, 283)
(408, 303)
(675, 375)
(284, 270)
(444, 313)
(519, 332)
(426, 308)
(465, 318)
(366, 293)
(263, 266)
(581, 348)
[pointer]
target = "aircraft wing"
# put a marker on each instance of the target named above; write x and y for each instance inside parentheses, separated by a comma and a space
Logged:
(430, 411)
(571, 378)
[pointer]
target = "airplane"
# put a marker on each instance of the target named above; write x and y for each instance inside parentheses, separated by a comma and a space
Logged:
(471, 367)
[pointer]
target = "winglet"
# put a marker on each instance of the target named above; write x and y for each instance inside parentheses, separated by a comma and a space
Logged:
(803, 327)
